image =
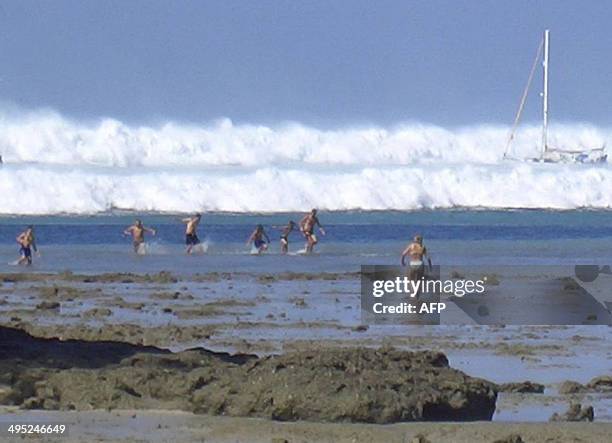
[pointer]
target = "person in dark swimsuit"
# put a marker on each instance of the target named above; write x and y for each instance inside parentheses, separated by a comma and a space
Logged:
(27, 242)
(191, 234)
(260, 239)
(284, 237)
(307, 226)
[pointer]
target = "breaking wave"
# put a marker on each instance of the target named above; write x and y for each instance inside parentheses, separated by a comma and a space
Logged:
(56, 165)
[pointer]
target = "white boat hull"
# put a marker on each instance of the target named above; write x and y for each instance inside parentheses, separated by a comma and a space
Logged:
(590, 156)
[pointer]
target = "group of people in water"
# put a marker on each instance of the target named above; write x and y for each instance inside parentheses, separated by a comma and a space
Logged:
(259, 238)
(415, 250)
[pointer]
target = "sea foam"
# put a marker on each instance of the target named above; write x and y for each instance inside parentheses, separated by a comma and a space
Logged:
(57, 165)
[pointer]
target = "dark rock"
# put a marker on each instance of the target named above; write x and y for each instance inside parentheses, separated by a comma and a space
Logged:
(97, 313)
(48, 305)
(602, 383)
(522, 387)
(32, 403)
(298, 301)
(512, 438)
(266, 278)
(419, 438)
(318, 384)
(490, 279)
(569, 284)
(575, 412)
(380, 386)
(6, 394)
(571, 387)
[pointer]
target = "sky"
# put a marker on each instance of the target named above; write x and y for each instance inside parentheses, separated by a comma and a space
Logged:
(326, 63)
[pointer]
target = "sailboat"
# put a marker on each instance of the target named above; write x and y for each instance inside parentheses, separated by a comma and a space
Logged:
(550, 154)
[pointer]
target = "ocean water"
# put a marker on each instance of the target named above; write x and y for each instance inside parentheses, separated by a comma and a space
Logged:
(82, 182)
(54, 165)
(97, 244)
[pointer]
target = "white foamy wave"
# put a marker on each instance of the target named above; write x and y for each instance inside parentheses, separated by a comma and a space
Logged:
(40, 190)
(55, 165)
(47, 137)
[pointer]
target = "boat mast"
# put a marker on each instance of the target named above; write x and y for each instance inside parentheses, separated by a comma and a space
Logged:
(545, 95)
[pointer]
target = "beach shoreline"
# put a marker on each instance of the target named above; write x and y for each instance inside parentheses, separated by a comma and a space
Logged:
(131, 426)
(259, 315)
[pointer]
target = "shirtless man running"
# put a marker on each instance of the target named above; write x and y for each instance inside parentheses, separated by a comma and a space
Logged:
(257, 238)
(27, 242)
(307, 225)
(191, 231)
(417, 252)
(137, 231)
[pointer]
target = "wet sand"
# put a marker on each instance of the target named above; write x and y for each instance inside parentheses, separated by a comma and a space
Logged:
(174, 426)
